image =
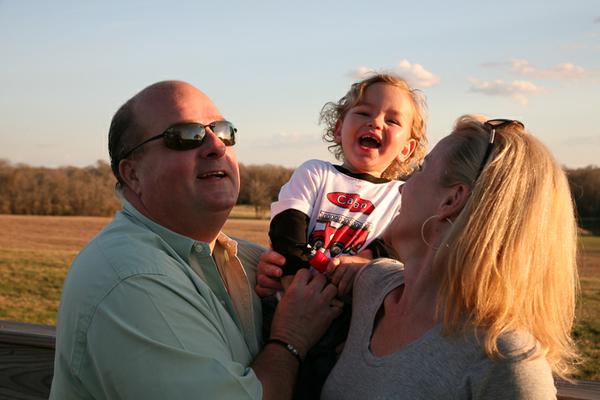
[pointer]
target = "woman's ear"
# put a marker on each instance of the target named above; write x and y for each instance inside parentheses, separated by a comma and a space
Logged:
(453, 202)
(128, 172)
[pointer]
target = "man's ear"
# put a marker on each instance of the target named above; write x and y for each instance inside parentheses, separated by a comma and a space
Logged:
(453, 202)
(128, 172)
(337, 132)
(408, 148)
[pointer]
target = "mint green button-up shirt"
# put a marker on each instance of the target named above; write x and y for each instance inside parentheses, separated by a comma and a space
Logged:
(147, 313)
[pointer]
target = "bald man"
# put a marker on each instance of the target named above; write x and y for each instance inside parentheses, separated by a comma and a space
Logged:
(160, 305)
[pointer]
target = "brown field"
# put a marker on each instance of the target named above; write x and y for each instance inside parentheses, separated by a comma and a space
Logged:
(35, 252)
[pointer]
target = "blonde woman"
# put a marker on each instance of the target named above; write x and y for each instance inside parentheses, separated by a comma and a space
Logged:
(482, 306)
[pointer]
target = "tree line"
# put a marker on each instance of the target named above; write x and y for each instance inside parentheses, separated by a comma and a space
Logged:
(91, 190)
(585, 188)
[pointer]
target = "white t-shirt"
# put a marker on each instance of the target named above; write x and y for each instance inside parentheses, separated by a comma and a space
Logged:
(346, 212)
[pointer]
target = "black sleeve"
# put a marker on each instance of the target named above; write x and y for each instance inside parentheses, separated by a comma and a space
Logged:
(287, 231)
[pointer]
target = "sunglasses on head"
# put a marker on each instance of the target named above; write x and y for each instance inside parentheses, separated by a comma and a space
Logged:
(190, 135)
(491, 126)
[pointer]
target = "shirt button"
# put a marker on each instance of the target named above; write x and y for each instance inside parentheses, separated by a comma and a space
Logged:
(223, 303)
(198, 248)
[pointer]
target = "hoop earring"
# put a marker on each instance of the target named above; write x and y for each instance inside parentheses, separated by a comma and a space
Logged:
(423, 230)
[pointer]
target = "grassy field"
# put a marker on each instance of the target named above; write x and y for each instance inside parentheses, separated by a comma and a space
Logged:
(35, 253)
(587, 326)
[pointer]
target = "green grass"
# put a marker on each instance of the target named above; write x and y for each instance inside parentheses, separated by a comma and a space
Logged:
(590, 244)
(587, 323)
(587, 329)
(30, 284)
(248, 212)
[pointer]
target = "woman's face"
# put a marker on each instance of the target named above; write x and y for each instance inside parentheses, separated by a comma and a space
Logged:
(422, 194)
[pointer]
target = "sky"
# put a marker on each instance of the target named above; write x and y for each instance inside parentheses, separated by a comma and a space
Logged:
(269, 66)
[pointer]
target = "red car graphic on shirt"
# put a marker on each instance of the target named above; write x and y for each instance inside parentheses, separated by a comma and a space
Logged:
(338, 238)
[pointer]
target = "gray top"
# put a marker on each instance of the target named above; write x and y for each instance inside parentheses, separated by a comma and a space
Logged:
(433, 366)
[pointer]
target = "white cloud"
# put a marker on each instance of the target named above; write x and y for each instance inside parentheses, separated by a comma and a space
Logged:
(415, 74)
(517, 90)
(363, 72)
(566, 71)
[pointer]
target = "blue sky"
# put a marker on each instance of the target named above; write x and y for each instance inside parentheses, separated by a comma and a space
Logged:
(66, 66)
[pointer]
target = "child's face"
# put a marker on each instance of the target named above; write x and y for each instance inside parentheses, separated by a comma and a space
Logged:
(376, 131)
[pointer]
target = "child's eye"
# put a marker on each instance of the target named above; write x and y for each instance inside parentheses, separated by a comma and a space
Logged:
(362, 113)
(393, 122)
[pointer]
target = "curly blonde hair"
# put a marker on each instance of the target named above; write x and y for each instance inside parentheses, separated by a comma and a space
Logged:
(333, 112)
(509, 260)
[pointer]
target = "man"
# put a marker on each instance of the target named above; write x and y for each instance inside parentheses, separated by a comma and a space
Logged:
(161, 303)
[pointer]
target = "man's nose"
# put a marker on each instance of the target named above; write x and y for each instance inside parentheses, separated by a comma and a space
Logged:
(212, 147)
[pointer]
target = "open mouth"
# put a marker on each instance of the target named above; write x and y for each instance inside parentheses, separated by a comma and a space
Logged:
(370, 142)
(212, 174)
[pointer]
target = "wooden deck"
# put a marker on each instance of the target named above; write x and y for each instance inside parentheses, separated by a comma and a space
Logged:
(27, 365)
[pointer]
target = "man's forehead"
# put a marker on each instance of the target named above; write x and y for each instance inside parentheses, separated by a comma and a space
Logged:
(167, 103)
(174, 94)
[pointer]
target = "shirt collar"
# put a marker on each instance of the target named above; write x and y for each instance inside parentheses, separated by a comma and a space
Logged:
(229, 244)
(181, 244)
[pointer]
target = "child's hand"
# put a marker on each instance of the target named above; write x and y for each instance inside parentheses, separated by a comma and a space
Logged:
(342, 271)
(268, 273)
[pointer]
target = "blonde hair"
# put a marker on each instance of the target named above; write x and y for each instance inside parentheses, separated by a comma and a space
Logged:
(510, 259)
(334, 112)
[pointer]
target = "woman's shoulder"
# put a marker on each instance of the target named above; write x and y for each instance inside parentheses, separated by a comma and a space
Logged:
(379, 273)
(518, 371)
(516, 345)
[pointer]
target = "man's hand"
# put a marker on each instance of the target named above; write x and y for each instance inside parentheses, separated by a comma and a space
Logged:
(268, 273)
(305, 311)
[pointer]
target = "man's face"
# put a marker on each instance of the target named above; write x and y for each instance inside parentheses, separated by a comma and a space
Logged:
(179, 188)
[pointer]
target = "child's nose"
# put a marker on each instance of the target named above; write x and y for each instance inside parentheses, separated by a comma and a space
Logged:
(376, 122)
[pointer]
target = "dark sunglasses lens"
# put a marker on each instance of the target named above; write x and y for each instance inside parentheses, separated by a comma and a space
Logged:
(184, 136)
(190, 136)
(501, 123)
(224, 131)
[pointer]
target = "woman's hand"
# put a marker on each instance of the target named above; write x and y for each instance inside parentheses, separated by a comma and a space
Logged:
(342, 271)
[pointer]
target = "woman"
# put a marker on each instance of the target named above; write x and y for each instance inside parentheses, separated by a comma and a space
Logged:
(482, 306)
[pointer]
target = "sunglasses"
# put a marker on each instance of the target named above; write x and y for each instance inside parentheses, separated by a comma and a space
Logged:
(491, 126)
(190, 135)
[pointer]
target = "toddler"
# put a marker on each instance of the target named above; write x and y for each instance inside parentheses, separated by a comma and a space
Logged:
(324, 211)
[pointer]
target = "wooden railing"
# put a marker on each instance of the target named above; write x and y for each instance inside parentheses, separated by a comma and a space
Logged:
(27, 365)
(26, 360)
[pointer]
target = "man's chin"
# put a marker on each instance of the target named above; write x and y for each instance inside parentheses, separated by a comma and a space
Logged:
(220, 205)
